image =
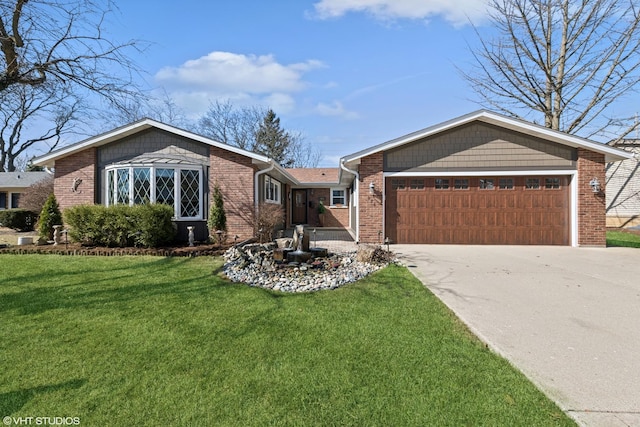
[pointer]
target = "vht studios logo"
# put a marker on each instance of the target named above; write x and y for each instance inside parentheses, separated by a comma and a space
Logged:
(41, 421)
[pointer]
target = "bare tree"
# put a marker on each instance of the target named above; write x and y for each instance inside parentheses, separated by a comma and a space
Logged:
(569, 60)
(234, 126)
(255, 129)
(34, 117)
(44, 40)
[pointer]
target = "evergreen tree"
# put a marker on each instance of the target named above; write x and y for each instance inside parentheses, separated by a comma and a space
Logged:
(273, 141)
(217, 216)
(49, 216)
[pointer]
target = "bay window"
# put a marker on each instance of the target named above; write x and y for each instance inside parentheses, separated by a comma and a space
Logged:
(179, 187)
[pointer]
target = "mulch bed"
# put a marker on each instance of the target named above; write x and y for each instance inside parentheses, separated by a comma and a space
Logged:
(77, 249)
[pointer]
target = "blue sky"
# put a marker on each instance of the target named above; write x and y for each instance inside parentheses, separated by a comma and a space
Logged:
(348, 74)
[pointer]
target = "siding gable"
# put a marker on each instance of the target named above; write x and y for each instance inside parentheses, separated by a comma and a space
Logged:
(479, 146)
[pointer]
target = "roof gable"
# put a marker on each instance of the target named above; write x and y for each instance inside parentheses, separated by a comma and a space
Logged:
(611, 154)
(132, 129)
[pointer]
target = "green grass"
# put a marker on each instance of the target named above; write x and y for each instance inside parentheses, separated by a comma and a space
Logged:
(155, 341)
(620, 238)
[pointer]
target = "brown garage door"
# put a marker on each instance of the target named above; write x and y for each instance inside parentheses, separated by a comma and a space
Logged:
(531, 210)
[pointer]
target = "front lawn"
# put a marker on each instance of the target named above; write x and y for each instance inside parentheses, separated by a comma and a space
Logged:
(622, 238)
(162, 341)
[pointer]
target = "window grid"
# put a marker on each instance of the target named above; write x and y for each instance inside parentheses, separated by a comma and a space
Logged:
(337, 196)
(552, 183)
(532, 183)
(398, 184)
(417, 184)
(442, 184)
(461, 184)
(505, 183)
(487, 184)
(134, 185)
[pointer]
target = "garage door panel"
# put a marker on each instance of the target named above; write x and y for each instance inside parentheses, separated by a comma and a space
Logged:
(512, 215)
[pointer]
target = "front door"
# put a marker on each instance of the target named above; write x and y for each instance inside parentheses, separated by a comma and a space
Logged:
(299, 214)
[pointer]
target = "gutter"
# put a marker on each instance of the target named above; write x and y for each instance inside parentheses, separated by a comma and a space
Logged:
(256, 194)
(357, 194)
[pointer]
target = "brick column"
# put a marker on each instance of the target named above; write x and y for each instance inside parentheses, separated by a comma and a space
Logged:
(592, 222)
(77, 166)
(370, 205)
(234, 173)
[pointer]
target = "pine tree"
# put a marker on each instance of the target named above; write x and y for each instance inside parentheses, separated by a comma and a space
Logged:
(217, 216)
(273, 141)
(49, 216)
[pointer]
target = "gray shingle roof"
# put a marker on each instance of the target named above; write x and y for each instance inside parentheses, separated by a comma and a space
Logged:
(21, 179)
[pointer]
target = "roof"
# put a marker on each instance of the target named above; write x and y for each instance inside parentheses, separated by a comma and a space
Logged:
(131, 129)
(315, 175)
(21, 179)
(49, 159)
(611, 154)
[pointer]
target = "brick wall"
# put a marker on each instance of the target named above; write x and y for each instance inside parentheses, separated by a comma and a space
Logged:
(81, 165)
(234, 173)
(591, 206)
(370, 205)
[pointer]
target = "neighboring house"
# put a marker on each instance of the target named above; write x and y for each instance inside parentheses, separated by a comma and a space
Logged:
(482, 178)
(13, 184)
(623, 187)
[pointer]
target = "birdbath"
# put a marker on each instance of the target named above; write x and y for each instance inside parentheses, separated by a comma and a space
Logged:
(191, 235)
(56, 234)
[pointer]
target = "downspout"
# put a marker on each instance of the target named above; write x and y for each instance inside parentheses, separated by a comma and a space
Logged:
(357, 194)
(256, 195)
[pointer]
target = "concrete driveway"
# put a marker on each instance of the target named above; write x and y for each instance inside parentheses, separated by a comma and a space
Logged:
(569, 318)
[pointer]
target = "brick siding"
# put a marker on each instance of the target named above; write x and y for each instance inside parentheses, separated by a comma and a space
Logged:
(234, 173)
(370, 205)
(81, 165)
(591, 206)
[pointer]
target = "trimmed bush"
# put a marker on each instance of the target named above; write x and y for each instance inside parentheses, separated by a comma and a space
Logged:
(146, 225)
(49, 216)
(18, 219)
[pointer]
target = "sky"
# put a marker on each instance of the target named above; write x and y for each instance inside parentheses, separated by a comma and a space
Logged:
(347, 74)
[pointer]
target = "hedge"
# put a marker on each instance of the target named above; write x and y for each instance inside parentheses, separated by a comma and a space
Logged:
(148, 225)
(18, 219)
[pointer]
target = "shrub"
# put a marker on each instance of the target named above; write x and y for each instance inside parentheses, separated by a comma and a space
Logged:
(49, 216)
(146, 225)
(269, 218)
(18, 219)
(217, 216)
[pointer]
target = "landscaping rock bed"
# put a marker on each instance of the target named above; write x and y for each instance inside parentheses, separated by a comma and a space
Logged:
(255, 266)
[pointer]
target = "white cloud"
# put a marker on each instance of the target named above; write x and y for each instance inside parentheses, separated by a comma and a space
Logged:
(458, 12)
(335, 109)
(243, 79)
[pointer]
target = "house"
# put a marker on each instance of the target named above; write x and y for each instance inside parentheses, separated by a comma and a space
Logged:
(623, 187)
(13, 184)
(482, 178)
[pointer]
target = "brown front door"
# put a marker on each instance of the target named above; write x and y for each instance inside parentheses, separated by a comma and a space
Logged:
(299, 206)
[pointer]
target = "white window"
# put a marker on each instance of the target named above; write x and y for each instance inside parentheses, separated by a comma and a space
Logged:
(271, 190)
(180, 188)
(337, 196)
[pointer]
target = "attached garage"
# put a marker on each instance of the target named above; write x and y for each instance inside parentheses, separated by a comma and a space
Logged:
(502, 210)
(483, 179)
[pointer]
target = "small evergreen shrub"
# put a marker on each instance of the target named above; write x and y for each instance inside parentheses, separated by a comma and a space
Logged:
(217, 217)
(147, 225)
(49, 216)
(18, 219)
